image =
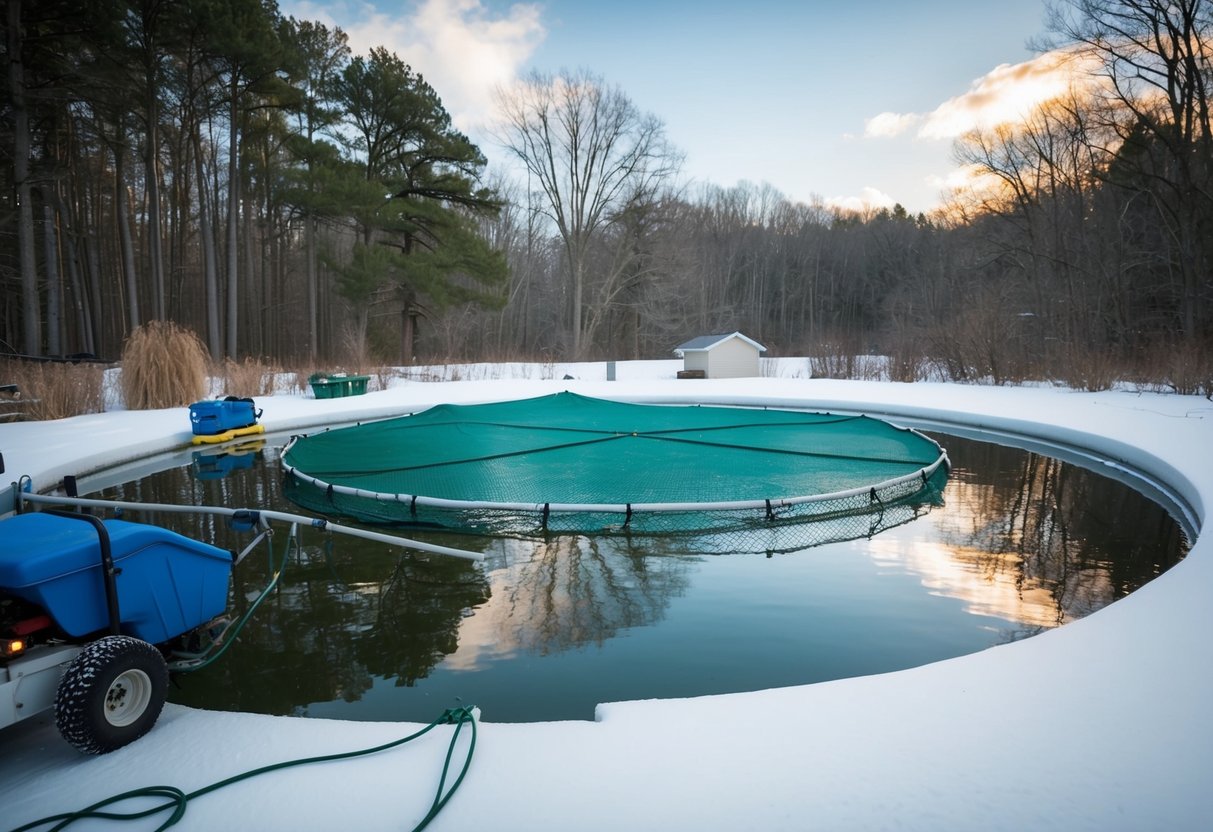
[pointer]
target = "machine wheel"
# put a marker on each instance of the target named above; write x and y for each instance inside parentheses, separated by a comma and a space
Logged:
(111, 694)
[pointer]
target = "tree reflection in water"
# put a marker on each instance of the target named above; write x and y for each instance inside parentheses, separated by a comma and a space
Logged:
(1053, 530)
(335, 624)
(351, 617)
(571, 591)
(326, 633)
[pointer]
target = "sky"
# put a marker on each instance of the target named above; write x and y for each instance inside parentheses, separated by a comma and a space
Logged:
(852, 102)
(1101, 725)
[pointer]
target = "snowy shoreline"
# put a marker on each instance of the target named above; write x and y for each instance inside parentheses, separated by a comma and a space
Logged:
(1101, 724)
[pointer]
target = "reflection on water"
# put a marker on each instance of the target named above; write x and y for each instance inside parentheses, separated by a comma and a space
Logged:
(545, 629)
(563, 594)
(1053, 541)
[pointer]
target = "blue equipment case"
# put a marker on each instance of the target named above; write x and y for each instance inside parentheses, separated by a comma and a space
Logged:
(213, 417)
(167, 584)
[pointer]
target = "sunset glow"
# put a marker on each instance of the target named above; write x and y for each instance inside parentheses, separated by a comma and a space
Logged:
(1006, 94)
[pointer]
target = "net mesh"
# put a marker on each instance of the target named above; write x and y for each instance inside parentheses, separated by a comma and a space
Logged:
(572, 464)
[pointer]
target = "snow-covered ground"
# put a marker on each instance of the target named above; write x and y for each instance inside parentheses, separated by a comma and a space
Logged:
(1103, 724)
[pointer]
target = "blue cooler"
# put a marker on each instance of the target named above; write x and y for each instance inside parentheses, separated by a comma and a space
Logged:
(167, 583)
(211, 418)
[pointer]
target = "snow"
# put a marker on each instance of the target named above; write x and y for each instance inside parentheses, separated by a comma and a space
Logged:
(1102, 724)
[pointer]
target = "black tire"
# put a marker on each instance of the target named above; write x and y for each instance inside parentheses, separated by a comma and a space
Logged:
(111, 694)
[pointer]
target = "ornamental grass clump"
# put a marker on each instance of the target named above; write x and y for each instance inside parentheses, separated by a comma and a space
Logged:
(163, 365)
(51, 391)
(250, 378)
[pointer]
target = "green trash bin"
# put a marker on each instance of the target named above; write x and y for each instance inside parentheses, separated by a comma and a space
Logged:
(337, 385)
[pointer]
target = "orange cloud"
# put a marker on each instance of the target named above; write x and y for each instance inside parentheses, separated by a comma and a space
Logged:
(964, 177)
(1007, 93)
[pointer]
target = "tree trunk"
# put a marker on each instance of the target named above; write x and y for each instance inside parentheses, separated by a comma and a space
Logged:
(408, 330)
(313, 331)
(85, 341)
(252, 314)
(155, 242)
(54, 287)
(578, 270)
(122, 209)
(233, 211)
(97, 318)
(206, 234)
(31, 306)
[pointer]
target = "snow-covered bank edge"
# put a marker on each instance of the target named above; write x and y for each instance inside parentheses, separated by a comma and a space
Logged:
(1102, 724)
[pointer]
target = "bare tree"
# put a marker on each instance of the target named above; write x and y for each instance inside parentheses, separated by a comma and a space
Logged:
(1155, 57)
(591, 151)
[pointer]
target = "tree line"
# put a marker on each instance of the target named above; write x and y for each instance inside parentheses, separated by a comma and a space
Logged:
(248, 176)
(242, 173)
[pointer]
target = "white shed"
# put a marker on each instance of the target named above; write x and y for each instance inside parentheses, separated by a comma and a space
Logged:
(731, 355)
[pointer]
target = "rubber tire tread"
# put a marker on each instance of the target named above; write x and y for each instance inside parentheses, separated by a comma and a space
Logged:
(80, 697)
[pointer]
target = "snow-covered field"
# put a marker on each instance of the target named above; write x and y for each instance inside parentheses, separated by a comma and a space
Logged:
(1103, 724)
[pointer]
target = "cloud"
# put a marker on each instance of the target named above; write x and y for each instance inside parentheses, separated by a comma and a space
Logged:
(965, 177)
(869, 199)
(463, 48)
(887, 125)
(1006, 93)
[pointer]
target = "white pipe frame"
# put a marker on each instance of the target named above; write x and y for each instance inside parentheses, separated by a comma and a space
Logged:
(264, 515)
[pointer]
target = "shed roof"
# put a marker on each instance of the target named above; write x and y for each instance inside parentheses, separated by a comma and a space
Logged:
(706, 342)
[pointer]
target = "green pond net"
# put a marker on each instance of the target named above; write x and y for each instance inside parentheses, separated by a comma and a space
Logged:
(736, 478)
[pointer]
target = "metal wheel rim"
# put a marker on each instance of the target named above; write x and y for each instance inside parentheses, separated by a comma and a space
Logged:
(127, 698)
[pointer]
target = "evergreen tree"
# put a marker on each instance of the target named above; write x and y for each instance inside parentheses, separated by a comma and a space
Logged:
(421, 192)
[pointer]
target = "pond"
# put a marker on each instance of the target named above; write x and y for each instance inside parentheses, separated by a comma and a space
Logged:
(546, 629)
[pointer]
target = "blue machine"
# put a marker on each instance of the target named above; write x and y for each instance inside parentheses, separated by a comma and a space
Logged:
(166, 584)
(92, 610)
(209, 418)
(88, 610)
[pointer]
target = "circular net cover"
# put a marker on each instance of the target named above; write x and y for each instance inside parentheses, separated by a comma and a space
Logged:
(569, 463)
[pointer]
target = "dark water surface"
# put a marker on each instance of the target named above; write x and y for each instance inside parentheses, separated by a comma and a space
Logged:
(546, 630)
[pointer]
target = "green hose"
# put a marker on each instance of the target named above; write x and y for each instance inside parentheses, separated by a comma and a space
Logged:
(228, 637)
(177, 800)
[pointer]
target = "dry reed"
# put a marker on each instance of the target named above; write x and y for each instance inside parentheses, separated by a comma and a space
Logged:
(53, 390)
(249, 378)
(163, 365)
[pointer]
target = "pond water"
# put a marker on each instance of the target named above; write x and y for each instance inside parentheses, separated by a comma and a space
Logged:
(547, 629)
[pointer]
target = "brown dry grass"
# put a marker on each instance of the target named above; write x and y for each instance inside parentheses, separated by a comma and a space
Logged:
(163, 365)
(1089, 369)
(1177, 366)
(53, 391)
(1189, 369)
(249, 378)
(383, 376)
(834, 359)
